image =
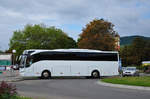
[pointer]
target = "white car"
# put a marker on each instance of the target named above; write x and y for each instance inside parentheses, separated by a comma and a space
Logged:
(130, 71)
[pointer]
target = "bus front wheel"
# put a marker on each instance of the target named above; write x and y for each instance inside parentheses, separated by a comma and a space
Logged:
(95, 74)
(46, 74)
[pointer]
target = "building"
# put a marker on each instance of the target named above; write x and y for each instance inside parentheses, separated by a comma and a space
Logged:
(5, 61)
(117, 42)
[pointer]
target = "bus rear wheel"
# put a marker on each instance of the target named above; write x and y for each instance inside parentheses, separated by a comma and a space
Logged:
(95, 74)
(46, 74)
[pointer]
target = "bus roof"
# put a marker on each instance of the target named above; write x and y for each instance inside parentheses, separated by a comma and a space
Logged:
(72, 50)
(33, 50)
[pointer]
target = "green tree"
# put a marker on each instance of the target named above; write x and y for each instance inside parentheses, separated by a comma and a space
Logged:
(125, 54)
(138, 46)
(40, 37)
(1, 51)
(98, 34)
(135, 53)
(146, 52)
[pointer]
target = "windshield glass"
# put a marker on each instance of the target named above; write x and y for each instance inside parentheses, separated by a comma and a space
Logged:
(131, 68)
(22, 61)
(25, 61)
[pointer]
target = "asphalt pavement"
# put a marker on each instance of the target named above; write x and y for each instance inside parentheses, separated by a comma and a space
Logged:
(79, 88)
(10, 76)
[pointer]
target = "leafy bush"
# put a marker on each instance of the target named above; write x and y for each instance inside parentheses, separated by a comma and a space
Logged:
(7, 91)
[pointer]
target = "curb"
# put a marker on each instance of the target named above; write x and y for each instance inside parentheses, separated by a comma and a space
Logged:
(123, 86)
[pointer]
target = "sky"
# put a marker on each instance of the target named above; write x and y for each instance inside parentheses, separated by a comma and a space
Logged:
(130, 17)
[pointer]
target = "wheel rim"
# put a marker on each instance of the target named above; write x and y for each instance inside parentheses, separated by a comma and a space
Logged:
(45, 74)
(95, 74)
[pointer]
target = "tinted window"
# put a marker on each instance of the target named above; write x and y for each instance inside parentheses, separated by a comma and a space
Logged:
(29, 52)
(98, 56)
(82, 56)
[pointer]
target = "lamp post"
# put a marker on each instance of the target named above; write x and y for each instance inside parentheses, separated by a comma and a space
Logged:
(13, 62)
(13, 53)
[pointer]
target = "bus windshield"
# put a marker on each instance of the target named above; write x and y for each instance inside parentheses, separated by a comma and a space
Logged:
(22, 61)
(25, 61)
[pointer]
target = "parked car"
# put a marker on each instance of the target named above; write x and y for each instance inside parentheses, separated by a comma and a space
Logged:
(130, 71)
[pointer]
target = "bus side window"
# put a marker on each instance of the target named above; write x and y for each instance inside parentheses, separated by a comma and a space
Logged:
(31, 61)
(27, 63)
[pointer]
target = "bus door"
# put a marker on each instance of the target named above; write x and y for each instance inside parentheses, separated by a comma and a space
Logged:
(22, 64)
(29, 68)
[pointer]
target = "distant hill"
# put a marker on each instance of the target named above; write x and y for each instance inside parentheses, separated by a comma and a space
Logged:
(127, 40)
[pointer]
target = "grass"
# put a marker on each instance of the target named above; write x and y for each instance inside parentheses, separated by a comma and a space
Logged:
(135, 81)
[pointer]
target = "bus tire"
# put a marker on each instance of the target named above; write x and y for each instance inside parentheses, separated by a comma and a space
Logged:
(46, 74)
(95, 74)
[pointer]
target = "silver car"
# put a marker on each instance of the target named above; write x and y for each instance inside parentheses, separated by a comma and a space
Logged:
(130, 71)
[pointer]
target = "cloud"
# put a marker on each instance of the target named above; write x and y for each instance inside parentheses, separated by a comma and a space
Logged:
(130, 17)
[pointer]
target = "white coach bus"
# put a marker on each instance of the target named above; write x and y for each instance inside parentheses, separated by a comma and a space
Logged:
(69, 62)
